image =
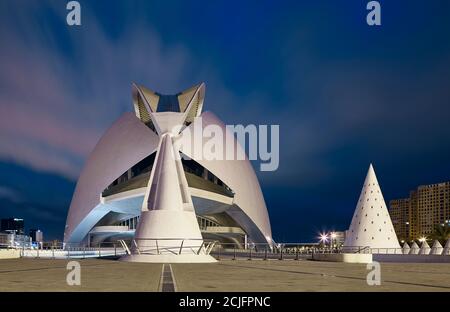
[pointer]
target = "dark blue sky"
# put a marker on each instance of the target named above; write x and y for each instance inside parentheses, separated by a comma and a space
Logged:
(344, 94)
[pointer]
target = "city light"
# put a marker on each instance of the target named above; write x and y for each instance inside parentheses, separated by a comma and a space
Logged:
(333, 235)
(422, 239)
(323, 238)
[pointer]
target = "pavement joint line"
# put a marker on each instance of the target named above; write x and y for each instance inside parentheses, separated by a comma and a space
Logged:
(167, 281)
(161, 279)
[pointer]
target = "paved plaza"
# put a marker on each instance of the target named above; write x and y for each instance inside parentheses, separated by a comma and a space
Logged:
(224, 276)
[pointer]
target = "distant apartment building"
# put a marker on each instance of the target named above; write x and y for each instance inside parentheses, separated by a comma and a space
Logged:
(417, 216)
(12, 226)
(36, 235)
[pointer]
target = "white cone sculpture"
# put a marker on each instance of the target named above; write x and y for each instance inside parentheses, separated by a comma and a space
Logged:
(446, 251)
(371, 225)
(436, 249)
(425, 248)
(414, 249)
(406, 248)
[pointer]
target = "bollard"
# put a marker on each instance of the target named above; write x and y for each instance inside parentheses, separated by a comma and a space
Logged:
(296, 253)
(250, 254)
(234, 258)
(281, 253)
(265, 253)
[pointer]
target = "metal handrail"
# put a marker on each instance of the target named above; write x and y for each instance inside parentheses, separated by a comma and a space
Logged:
(142, 249)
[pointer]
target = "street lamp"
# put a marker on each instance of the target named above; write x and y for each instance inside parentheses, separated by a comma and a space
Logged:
(323, 238)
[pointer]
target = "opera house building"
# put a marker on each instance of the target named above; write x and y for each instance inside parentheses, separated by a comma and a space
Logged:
(143, 186)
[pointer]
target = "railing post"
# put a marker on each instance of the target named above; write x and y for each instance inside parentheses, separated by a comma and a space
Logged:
(84, 252)
(250, 254)
(99, 251)
(115, 250)
(234, 258)
(265, 253)
(200, 249)
(181, 247)
(296, 253)
(281, 252)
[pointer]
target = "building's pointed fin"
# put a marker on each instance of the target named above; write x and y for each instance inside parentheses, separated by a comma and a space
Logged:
(185, 97)
(191, 101)
(145, 102)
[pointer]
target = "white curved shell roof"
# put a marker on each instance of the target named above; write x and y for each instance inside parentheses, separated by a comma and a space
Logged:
(127, 142)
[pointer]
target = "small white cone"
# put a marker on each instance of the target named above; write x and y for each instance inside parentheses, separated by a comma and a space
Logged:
(414, 249)
(406, 248)
(436, 249)
(446, 251)
(424, 249)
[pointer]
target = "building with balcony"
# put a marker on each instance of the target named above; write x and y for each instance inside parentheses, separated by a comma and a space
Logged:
(417, 216)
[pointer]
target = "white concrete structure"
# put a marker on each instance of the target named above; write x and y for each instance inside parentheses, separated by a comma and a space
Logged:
(410, 258)
(344, 257)
(446, 250)
(371, 225)
(406, 248)
(134, 174)
(437, 248)
(9, 253)
(424, 248)
(414, 249)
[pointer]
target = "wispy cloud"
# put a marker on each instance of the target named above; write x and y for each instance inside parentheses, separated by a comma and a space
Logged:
(10, 194)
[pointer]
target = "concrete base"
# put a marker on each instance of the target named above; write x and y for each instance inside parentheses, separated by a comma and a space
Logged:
(412, 258)
(183, 258)
(344, 257)
(9, 253)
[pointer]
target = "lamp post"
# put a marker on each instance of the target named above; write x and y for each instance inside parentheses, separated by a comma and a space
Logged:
(324, 239)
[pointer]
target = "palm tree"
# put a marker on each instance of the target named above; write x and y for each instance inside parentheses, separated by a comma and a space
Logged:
(441, 233)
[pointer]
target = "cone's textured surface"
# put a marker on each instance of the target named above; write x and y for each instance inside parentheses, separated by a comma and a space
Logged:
(371, 225)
